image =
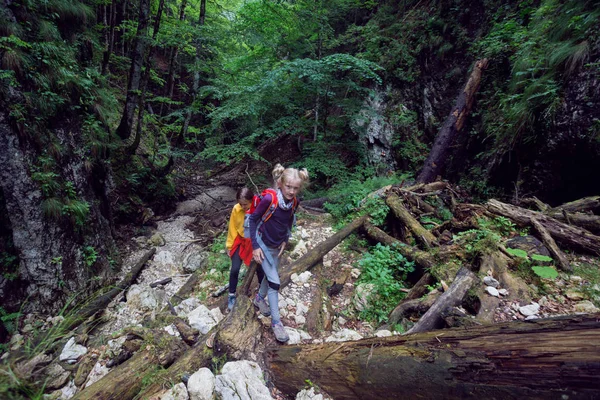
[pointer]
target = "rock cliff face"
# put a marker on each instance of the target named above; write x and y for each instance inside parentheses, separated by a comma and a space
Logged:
(57, 259)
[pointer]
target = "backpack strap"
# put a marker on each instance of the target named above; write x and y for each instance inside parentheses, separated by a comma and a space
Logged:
(272, 207)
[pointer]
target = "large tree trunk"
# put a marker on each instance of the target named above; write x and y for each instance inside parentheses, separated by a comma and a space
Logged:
(569, 236)
(135, 73)
(540, 359)
(196, 84)
(434, 165)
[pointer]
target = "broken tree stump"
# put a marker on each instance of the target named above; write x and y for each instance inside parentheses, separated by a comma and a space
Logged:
(540, 359)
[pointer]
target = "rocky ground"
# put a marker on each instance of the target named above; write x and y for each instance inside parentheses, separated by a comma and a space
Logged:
(183, 247)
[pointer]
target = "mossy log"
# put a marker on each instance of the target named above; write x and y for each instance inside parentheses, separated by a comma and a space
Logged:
(582, 205)
(586, 221)
(567, 235)
(422, 258)
(423, 235)
(540, 359)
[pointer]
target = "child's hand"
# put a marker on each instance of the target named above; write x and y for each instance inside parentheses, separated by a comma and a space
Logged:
(258, 256)
(281, 249)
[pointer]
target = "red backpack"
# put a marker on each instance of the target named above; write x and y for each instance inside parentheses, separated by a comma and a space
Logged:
(272, 207)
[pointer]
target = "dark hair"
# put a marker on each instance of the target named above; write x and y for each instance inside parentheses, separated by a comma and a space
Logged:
(244, 193)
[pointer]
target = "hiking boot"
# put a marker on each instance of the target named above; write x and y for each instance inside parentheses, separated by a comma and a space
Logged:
(280, 333)
(230, 302)
(262, 305)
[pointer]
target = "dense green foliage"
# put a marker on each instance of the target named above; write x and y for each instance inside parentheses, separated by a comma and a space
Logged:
(384, 269)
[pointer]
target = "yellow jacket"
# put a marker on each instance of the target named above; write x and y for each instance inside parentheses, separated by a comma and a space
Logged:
(236, 225)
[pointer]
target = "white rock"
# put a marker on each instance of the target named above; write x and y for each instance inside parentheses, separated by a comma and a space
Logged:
(355, 273)
(144, 297)
(294, 278)
(489, 281)
(503, 292)
(361, 295)
(327, 264)
(56, 376)
(68, 391)
(586, 306)
(294, 335)
(342, 321)
(201, 385)
(344, 335)
(241, 380)
(305, 276)
(164, 259)
(492, 291)
(72, 351)
(299, 250)
(96, 374)
(383, 333)
(301, 308)
(217, 314)
(195, 261)
(172, 330)
(576, 278)
(304, 234)
(308, 394)
(177, 392)
(202, 319)
(530, 309)
(300, 320)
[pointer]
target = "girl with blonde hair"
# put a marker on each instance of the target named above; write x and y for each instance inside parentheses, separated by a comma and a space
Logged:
(269, 237)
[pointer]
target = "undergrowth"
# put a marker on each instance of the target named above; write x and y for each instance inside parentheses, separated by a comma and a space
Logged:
(385, 269)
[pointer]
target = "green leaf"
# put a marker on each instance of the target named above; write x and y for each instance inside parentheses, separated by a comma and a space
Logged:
(539, 257)
(545, 272)
(517, 252)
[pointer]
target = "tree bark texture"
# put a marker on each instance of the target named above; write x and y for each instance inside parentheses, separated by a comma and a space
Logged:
(434, 165)
(541, 359)
(569, 236)
(421, 234)
(135, 72)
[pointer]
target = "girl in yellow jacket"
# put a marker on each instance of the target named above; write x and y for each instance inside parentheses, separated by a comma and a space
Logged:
(239, 248)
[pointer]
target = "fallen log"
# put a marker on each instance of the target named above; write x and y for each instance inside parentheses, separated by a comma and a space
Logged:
(586, 221)
(436, 160)
(423, 235)
(451, 298)
(540, 359)
(551, 245)
(316, 254)
(568, 235)
(422, 258)
(125, 381)
(102, 301)
(586, 204)
(417, 306)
